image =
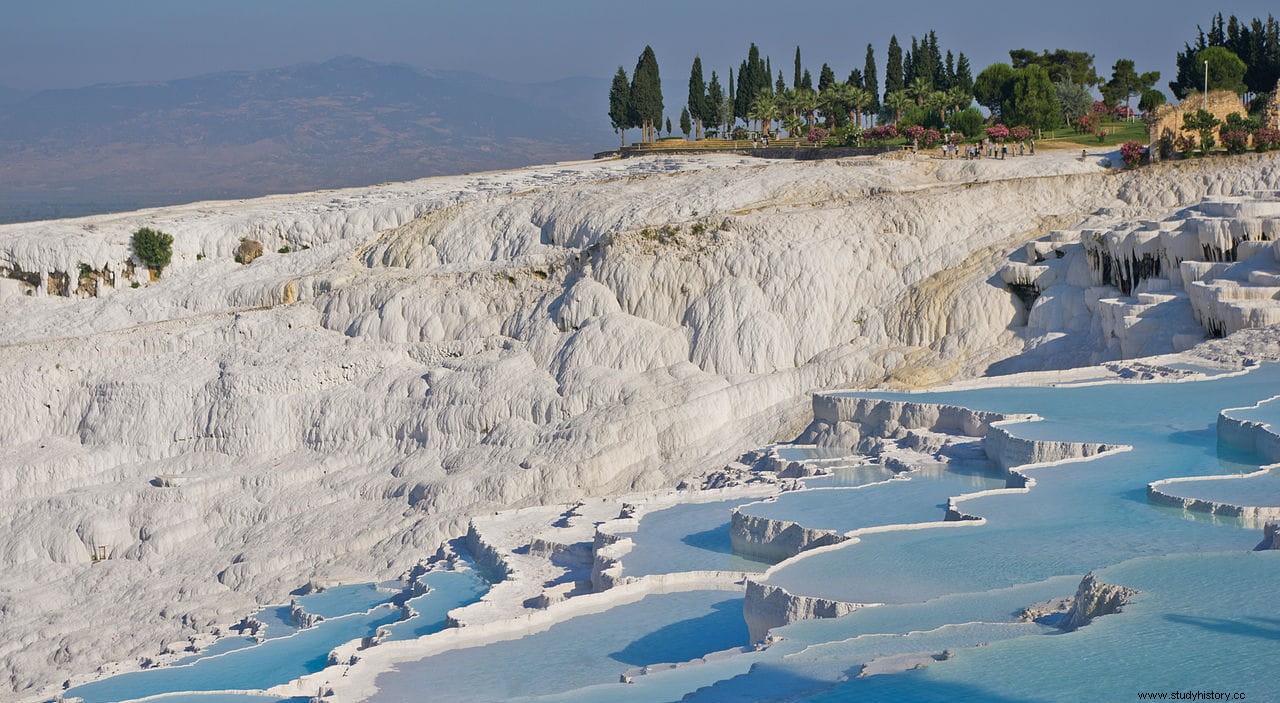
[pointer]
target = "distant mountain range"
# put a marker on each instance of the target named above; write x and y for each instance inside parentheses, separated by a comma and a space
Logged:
(344, 122)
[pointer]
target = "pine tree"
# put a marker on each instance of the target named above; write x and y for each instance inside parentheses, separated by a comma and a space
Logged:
(826, 78)
(796, 83)
(806, 81)
(620, 104)
(646, 94)
(964, 75)
(949, 73)
(855, 79)
(870, 81)
(697, 97)
(893, 76)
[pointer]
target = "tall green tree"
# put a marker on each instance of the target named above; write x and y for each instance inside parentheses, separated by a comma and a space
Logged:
(1226, 70)
(893, 78)
(686, 124)
(646, 94)
(964, 74)
(949, 73)
(1074, 100)
(1126, 82)
(806, 81)
(697, 101)
(994, 86)
(826, 78)
(795, 83)
(910, 59)
(870, 81)
(1033, 101)
(855, 78)
(732, 113)
(1062, 65)
(712, 109)
(620, 105)
(780, 86)
(1151, 99)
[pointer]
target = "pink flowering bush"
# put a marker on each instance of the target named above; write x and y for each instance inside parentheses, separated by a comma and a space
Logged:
(880, 133)
(913, 133)
(1131, 153)
(1236, 141)
(817, 134)
(930, 138)
(1020, 133)
(1266, 139)
(998, 133)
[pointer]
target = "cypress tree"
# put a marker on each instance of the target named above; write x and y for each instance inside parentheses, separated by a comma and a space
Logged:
(964, 75)
(781, 85)
(936, 71)
(733, 102)
(806, 81)
(715, 101)
(646, 93)
(855, 79)
(796, 82)
(697, 97)
(686, 125)
(894, 80)
(826, 78)
(668, 126)
(870, 81)
(741, 100)
(768, 75)
(910, 61)
(620, 104)
(949, 73)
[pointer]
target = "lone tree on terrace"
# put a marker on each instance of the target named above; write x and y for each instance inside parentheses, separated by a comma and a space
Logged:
(646, 95)
(153, 248)
(620, 105)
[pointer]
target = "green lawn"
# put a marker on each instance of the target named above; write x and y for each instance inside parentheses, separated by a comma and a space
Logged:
(1124, 131)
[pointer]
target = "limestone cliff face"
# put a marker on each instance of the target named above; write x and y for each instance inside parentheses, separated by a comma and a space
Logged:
(427, 351)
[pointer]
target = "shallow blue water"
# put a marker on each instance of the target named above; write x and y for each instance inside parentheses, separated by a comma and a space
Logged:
(919, 496)
(587, 650)
(449, 590)
(235, 663)
(690, 537)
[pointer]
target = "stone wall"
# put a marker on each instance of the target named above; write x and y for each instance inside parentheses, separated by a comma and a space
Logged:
(1221, 103)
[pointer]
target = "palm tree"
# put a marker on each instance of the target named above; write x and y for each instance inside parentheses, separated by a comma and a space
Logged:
(898, 101)
(920, 89)
(807, 104)
(833, 101)
(765, 109)
(959, 98)
(792, 123)
(856, 98)
(938, 102)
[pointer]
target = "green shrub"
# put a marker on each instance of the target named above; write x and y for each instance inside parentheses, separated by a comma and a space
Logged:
(968, 121)
(153, 248)
(135, 284)
(85, 270)
(283, 250)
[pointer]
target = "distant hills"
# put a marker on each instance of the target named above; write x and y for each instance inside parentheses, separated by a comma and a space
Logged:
(344, 122)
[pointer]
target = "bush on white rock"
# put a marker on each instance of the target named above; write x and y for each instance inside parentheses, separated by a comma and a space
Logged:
(457, 345)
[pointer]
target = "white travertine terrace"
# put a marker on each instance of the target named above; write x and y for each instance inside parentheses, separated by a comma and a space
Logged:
(432, 351)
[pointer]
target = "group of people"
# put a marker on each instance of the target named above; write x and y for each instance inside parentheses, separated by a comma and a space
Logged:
(990, 150)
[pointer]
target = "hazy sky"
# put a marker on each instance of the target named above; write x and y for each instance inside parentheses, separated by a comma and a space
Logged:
(67, 43)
